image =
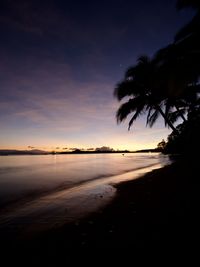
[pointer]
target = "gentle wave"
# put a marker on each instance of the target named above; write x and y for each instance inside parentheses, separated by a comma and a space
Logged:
(75, 191)
(97, 180)
(26, 178)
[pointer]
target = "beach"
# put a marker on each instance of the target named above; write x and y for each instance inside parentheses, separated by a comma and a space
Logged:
(159, 209)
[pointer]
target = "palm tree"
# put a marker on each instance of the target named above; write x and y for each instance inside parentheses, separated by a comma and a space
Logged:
(188, 38)
(183, 60)
(192, 28)
(193, 25)
(167, 85)
(141, 85)
(173, 78)
(179, 79)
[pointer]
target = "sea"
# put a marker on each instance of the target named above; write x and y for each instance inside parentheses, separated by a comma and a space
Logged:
(38, 192)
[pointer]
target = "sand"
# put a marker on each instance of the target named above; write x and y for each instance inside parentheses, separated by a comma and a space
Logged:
(158, 210)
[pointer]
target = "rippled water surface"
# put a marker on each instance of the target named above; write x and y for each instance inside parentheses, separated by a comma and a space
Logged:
(53, 189)
(20, 175)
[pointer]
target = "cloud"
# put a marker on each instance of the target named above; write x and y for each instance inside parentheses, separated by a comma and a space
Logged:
(46, 95)
(31, 147)
(104, 148)
(46, 101)
(75, 148)
(58, 71)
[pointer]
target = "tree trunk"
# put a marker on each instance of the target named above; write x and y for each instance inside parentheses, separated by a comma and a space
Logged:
(180, 113)
(167, 120)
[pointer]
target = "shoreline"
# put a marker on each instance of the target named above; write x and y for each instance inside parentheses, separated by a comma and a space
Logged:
(15, 202)
(158, 209)
(61, 206)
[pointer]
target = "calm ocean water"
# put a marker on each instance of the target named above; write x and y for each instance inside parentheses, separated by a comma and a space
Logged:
(57, 188)
(24, 175)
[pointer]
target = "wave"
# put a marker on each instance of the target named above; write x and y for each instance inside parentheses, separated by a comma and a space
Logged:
(111, 178)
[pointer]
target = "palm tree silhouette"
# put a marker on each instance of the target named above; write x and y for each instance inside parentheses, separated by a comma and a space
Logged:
(142, 85)
(187, 40)
(174, 76)
(167, 85)
(192, 28)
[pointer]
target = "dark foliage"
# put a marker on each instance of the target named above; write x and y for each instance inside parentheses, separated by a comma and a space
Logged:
(187, 141)
(168, 85)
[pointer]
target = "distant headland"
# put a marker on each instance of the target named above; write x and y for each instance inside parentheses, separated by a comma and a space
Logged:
(7, 152)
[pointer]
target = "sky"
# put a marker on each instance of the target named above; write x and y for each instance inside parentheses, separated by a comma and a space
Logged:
(60, 62)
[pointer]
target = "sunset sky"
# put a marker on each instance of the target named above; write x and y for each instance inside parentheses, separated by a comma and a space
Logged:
(59, 64)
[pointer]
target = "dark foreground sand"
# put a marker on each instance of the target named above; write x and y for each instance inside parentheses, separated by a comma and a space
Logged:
(160, 209)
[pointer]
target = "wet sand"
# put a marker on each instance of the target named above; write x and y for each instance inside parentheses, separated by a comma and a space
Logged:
(158, 210)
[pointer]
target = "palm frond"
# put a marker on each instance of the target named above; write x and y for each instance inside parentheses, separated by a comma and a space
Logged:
(152, 118)
(173, 116)
(143, 59)
(140, 68)
(133, 105)
(188, 29)
(130, 72)
(127, 88)
(135, 116)
(168, 108)
(150, 110)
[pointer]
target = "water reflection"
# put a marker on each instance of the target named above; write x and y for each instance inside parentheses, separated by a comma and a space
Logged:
(66, 187)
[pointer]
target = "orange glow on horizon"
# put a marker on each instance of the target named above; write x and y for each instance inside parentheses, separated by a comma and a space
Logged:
(60, 148)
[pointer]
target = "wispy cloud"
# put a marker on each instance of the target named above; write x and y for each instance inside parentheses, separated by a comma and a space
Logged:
(47, 95)
(59, 65)
(46, 98)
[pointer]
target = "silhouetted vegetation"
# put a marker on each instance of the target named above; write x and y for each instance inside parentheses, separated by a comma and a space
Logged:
(167, 85)
(6, 152)
(188, 139)
(187, 42)
(161, 146)
(142, 84)
(78, 151)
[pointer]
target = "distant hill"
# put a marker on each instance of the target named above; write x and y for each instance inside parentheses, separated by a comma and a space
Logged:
(77, 151)
(5, 152)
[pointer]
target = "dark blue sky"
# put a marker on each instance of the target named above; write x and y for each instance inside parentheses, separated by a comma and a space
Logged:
(60, 61)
